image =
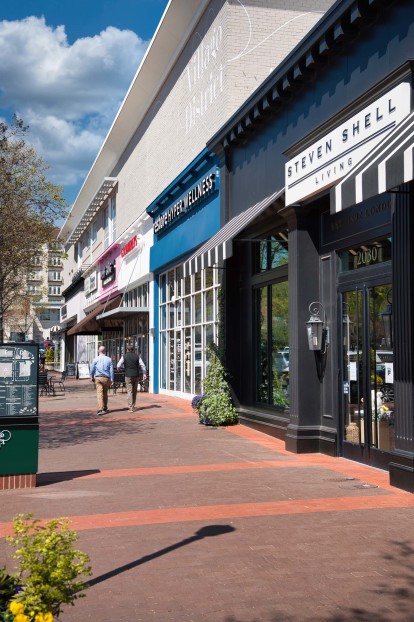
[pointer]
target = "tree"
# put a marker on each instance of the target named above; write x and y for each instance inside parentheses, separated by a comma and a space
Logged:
(29, 206)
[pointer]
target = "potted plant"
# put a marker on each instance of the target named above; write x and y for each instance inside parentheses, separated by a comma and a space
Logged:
(216, 406)
(50, 359)
(48, 574)
(383, 420)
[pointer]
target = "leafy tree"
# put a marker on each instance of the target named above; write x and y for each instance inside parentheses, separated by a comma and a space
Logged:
(29, 206)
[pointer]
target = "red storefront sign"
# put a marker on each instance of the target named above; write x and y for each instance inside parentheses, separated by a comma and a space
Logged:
(129, 246)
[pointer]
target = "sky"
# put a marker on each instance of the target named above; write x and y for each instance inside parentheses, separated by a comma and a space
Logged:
(65, 68)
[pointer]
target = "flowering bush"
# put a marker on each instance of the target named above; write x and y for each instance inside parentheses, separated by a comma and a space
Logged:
(197, 401)
(49, 571)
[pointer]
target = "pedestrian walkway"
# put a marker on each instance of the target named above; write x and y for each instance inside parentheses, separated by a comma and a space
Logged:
(187, 523)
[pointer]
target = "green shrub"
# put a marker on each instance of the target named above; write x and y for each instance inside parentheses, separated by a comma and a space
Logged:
(217, 403)
(49, 569)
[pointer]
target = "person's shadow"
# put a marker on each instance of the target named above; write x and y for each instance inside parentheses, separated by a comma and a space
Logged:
(204, 532)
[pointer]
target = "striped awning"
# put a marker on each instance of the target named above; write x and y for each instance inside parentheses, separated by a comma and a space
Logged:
(56, 329)
(220, 246)
(390, 164)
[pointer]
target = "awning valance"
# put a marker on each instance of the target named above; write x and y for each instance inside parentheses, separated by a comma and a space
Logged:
(90, 325)
(390, 164)
(122, 313)
(220, 246)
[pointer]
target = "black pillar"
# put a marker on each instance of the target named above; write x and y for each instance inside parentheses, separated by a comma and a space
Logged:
(402, 461)
(305, 432)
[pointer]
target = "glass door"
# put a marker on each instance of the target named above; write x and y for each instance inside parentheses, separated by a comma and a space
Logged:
(368, 368)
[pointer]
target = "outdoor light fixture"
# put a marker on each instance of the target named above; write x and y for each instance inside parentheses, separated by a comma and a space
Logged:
(318, 336)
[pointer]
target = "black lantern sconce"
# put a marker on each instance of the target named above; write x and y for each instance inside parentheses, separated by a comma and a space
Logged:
(318, 336)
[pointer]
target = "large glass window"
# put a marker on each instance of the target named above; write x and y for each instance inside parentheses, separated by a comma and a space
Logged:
(109, 222)
(271, 305)
(273, 346)
(273, 252)
(188, 319)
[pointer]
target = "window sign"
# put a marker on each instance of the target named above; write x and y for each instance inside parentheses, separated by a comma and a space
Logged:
(365, 255)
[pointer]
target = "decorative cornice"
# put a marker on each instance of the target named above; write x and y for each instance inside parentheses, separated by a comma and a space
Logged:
(340, 25)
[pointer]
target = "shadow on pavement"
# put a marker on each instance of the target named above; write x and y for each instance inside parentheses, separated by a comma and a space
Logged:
(204, 532)
(44, 479)
(93, 430)
(399, 588)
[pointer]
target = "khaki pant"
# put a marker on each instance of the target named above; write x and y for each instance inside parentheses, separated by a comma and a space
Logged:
(131, 384)
(102, 389)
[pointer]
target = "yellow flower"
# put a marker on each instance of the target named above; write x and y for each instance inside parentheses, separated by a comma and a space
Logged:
(16, 608)
(44, 617)
(21, 617)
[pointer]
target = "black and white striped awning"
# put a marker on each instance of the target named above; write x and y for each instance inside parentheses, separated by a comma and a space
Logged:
(390, 164)
(220, 246)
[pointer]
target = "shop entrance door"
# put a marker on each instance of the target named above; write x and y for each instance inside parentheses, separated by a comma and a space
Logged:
(367, 373)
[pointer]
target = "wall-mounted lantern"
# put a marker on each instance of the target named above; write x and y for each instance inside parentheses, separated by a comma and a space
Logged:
(318, 336)
(318, 333)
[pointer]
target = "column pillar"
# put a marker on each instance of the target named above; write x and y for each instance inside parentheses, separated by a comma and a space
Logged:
(402, 461)
(304, 432)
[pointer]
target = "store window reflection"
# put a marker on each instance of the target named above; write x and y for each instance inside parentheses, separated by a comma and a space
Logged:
(271, 299)
(188, 317)
(368, 367)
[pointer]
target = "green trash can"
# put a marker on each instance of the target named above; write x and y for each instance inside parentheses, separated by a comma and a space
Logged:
(19, 447)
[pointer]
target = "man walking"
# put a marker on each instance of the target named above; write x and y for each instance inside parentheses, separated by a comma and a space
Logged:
(102, 374)
(134, 367)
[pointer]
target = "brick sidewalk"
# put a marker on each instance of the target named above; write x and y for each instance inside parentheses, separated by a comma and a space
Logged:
(190, 523)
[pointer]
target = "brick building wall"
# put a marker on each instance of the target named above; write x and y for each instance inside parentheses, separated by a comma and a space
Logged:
(235, 45)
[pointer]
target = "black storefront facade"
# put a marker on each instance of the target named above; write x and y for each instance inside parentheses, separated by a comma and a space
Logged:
(322, 155)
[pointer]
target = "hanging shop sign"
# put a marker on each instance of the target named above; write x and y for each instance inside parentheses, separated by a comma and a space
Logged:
(108, 273)
(196, 195)
(333, 156)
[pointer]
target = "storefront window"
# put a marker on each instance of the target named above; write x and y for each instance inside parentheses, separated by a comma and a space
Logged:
(273, 346)
(273, 252)
(192, 312)
(136, 331)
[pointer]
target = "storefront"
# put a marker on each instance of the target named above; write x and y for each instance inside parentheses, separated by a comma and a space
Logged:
(186, 306)
(322, 154)
(134, 283)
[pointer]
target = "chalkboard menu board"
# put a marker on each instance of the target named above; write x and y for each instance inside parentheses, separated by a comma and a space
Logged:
(18, 379)
(71, 369)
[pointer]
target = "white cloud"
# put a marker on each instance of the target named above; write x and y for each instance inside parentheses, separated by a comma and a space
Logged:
(68, 94)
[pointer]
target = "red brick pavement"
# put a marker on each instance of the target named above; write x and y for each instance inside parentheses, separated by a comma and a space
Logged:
(189, 523)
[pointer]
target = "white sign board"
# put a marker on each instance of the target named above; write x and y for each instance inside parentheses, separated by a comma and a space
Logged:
(389, 373)
(333, 156)
(353, 371)
(83, 370)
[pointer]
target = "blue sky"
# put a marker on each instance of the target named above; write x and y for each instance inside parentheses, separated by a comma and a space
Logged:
(65, 67)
